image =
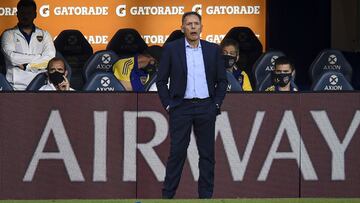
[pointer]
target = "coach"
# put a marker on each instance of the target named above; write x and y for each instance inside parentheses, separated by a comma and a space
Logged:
(195, 70)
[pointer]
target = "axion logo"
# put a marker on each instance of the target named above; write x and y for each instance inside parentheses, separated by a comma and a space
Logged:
(106, 58)
(332, 59)
(197, 8)
(333, 79)
(273, 60)
(105, 81)
(121, 10)
(44, 10)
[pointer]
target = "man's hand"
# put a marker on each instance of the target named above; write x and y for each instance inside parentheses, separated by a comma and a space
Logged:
(218, 111)
(21, 66)
(64, 85)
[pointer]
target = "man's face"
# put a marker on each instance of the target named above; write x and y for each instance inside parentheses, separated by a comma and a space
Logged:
(26, 16)
(230, 50)
(282, 68)
(192, 28)
(57, 66)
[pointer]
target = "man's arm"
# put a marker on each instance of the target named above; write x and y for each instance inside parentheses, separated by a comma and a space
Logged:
(48, 53)
(19, 59)
(221, 80)
(163, 77)
(8, 48)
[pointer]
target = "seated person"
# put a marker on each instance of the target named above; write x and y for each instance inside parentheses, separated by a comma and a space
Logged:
(134, 72)
(230, 50)
(27, 48)
(56, 73)
(281, 77)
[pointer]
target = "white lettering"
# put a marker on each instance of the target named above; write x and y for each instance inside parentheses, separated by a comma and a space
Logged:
(233, 10)
(237, 165)
(130, 144)
(288, 125)
(337, 148)
(100, 134)
(65, 153)
(97, 39)
(215, 38)
(81, 11)
(157, 10)
(100, 89)
(155, 39)
(333, 87)
(8, 11)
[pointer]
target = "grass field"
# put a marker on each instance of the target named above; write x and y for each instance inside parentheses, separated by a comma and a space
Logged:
(298, 200)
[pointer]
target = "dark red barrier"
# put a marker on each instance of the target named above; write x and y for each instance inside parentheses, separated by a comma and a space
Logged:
(93, 145)
(23, 121)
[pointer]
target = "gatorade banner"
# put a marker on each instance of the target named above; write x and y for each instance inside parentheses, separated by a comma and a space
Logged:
(154, 20)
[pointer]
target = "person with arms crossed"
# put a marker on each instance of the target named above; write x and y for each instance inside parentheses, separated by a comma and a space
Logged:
(197, 88)
(27, 48)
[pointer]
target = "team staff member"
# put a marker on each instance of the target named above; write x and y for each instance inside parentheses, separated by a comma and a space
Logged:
(56, 72)
(230, 50)
(197, 88)
(27, 48)
(282, 76)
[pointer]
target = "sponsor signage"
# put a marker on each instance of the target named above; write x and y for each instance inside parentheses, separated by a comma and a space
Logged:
(115, 145)
(155, 20)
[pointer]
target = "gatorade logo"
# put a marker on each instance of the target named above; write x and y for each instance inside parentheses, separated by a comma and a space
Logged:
(197, 8)
(44, 11)
(121, 10)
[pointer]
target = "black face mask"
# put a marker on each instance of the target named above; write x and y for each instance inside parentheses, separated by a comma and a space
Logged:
(56, 77)
(150, 68)
(281, 79)
(229, 61)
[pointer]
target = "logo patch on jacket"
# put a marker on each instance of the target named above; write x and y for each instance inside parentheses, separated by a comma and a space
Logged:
(143, 79)
(40, 38)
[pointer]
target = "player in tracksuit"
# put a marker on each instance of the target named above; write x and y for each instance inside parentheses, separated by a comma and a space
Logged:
(135, 72)
(27, 48)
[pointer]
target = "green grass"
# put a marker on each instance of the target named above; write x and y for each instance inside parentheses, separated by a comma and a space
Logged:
(277, 200)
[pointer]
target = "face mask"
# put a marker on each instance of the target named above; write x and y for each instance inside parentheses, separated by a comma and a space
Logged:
(56, 77)
(150, 68)
(229, 61)
(281, 79)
